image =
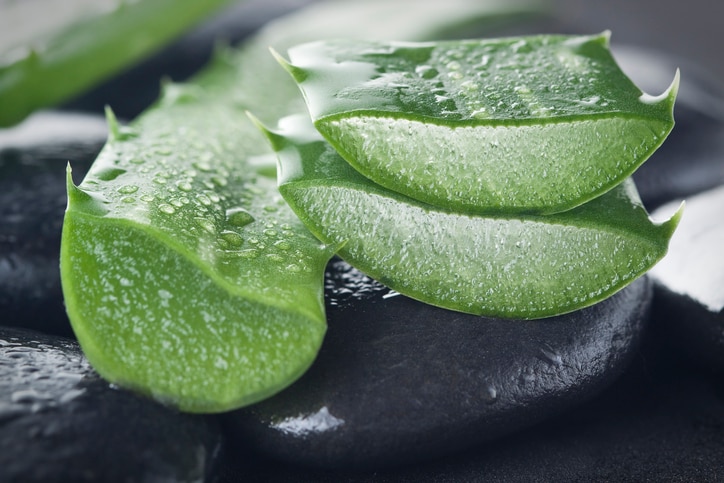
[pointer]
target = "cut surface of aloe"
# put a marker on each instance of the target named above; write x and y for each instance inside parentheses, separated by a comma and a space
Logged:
(525, 266)
(535, 124)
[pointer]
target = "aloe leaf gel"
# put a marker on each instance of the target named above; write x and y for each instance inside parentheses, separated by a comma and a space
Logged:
(186, 276)
(502, 265)
(537, 124)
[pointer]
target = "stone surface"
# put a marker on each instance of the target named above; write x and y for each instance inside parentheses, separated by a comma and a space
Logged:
(399, 381)
(663, 420)
(33, 160)
(59, 422)
(690, 279)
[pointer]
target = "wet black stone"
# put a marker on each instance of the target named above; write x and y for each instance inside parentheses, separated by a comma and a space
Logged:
(33, 160)
(59, 422)
(689, 281)
(399, 381)
(663, 420)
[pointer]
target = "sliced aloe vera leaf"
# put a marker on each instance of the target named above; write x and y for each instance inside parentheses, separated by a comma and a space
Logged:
(185, 275)
(511, 266)
(527, 124)
(51, 50)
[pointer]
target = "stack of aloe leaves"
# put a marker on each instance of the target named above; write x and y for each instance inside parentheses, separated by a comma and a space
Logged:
(489, 177)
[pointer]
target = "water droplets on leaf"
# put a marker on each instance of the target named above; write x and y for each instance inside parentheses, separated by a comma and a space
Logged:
(166, 208)
(239, 217)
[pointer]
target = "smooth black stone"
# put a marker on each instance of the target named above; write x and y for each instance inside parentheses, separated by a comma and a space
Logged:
(663, 420)
(690, 159)
(33, 160)
(689, 281)
(59, 422)
(399, 381)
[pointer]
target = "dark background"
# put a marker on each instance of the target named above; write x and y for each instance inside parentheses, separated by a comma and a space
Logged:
(690, 29)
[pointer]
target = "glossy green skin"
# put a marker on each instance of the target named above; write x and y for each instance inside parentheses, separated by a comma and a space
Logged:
(503, 265)
(185, 275)
(523, 124)
(62, 63)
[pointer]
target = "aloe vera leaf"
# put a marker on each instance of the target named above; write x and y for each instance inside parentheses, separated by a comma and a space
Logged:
(52, 50)
(503, 265)
(185, 276)
(526, 124)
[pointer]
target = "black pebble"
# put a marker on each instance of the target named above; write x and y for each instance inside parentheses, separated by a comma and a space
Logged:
(33, 159)
(60, 422)
(398, 381)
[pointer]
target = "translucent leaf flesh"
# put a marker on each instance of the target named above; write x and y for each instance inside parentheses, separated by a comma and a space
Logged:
(483, 125)
(513, 266)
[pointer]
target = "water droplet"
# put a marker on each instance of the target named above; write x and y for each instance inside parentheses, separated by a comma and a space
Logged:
(239, 217)
(159, 180)
(202, 165)
(165, 208)
(270, 208)
(480, 113)
(283, 245)
(550, 355)
(185, 186)
(176, 202)
(128, 200)
(146, 198)
(137, 161)
(206, 224)
(128, 189)
(294, 268)
(490, 394)
(219, 181)
(275, 257)
(232, 238)
(109, 174)
(203, 199)
(270, 233)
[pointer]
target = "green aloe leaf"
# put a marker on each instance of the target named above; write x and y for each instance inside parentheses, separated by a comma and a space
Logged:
(52, 50)
(527, 124)
(525, 266)
(186, 276)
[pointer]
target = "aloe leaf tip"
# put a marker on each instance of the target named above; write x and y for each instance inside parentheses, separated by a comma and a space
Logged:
(114, 129)
(666, 98)
(299, 75)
